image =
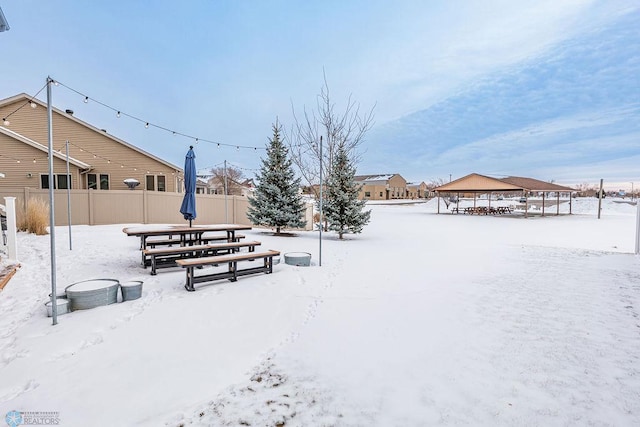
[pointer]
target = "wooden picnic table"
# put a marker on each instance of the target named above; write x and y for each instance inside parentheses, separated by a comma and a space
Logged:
(183, 234)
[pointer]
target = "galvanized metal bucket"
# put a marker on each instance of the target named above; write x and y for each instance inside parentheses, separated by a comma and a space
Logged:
(131, 290)
(62, 304)
(300, 259)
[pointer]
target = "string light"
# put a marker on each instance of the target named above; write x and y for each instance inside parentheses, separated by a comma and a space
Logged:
(146, 126)
(5, 121)
(33, 104)
(118, 114)
(147, 123)
(86, 99)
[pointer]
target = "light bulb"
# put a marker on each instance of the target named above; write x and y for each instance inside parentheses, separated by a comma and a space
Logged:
(147, 125)
(6, 122)
(86, 99)
(196, 140)
(33, 104)
(118, 114)
(34, 160)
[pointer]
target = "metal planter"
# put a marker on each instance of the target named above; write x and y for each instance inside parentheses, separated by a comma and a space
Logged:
(300, 259)
(62, 304)
(131, 290)
(92, 293)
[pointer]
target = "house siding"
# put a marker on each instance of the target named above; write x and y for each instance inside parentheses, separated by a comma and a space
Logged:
(111, 157)
(17, 174)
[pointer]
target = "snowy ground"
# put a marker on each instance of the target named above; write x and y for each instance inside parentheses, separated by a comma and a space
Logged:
(423, 319)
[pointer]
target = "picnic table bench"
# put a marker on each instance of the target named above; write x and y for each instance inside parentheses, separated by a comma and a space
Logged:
(167, 257)
(152, 243)
(233, 271)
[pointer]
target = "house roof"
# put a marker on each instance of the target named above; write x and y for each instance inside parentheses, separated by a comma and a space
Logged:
(88, 126)
(24, 139)
(374, 179)
(480, 183)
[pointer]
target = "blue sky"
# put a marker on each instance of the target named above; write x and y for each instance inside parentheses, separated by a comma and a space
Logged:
(545, 89)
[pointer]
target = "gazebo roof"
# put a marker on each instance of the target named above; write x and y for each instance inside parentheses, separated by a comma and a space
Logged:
(475, 183)
(534, 184)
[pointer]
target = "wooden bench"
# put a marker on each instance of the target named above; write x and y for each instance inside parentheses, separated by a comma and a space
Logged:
(233, 271)
(166, 257)
(152, 243)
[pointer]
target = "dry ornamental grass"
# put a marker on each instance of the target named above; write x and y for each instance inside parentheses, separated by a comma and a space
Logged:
(36, 219)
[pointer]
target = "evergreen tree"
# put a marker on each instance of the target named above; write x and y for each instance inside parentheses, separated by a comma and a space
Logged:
(276, 201)
(342, 210)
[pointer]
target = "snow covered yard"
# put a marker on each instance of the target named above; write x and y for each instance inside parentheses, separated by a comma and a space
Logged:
(423, 319)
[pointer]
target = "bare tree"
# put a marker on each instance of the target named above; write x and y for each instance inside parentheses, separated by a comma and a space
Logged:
(346, 128)
(233, 182)
(438, 182)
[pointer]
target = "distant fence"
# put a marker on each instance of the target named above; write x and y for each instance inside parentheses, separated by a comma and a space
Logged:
(95, 207)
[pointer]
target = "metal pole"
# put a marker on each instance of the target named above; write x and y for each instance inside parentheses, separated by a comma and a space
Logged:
(226, 212)
(600, 198)
(638, 229)
(321, 223)
(52, 222)
(69, 198)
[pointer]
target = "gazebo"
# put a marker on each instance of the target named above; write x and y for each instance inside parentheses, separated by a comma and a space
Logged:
(479, 184)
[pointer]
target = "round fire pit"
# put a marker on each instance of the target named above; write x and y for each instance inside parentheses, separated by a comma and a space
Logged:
(92, 293)
(300, 259)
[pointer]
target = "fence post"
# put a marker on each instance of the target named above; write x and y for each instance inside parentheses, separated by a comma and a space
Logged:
(12, 235)
(145, 207)
(91, 202)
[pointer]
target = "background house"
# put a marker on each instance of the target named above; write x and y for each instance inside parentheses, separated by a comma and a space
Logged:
(98, 160)
(382, 187)
(417, 190)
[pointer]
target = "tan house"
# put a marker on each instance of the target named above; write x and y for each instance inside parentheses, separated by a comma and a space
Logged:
(382, 187)
(97, 160)
(417, 190)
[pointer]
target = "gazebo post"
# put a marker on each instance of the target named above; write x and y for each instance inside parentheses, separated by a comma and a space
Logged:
(570, 202)
(474, 200)
(543, 194)
(526, 204)
(558, 203)
(438, 197)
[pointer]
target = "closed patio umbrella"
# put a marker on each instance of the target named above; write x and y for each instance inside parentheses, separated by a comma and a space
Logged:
(188, 208)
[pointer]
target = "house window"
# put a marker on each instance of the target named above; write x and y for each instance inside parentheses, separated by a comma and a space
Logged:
(367, 194)
(92, 181)
(381, 194)
(156, 182)
(60, 182)
(104, 181)
(63, 182)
